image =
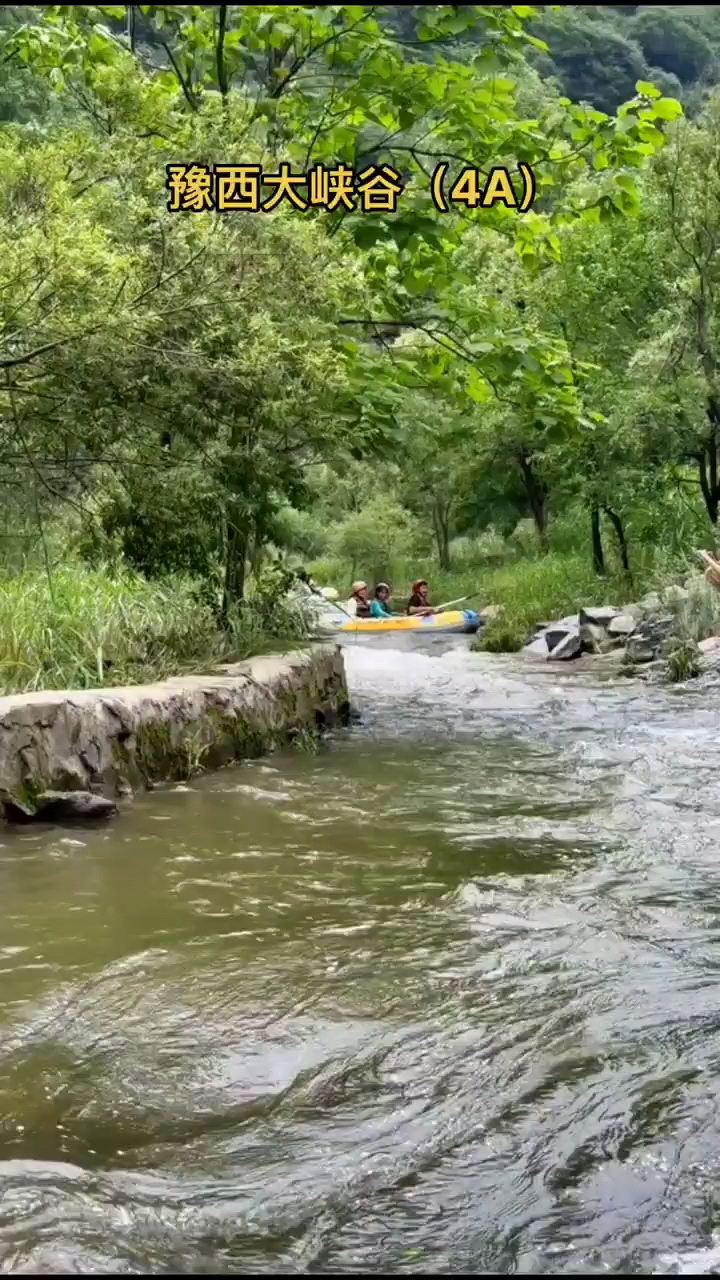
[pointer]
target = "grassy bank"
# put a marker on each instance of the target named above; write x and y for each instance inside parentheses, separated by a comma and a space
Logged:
(84, 629)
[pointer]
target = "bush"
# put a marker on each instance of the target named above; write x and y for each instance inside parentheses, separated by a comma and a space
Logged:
(302, 532)
(375, 537)
(489, 547)
(503, 635)
(697, 615)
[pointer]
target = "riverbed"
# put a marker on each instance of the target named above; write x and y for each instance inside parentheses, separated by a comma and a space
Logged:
(443, 996)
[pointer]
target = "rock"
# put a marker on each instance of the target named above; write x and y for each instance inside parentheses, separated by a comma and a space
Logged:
(62, 806)
(600, 615)
(570, 646)
(710, 645)
(639, 650)
(490, 611)
(651, 603)
(592, 637)
(635, 611)
(555, 631)
(675, 595)
(623, 624)
(553, 634)
(537, 648)
(646, 641)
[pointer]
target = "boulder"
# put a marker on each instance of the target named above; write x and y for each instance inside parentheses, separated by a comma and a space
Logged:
(600, 615)
(638, 649)
(537, 648)
(592, 637)
(651, 603)
(648, 638)
(62, 806)
(570, 646)
(556, 632)
(623, 624)
(710, 645)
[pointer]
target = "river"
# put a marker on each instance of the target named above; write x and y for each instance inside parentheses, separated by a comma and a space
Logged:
(444, 996)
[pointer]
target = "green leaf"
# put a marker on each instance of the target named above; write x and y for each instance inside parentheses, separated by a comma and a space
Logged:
(646, 89)
(667, 109)
(477, 388)
(366, 234)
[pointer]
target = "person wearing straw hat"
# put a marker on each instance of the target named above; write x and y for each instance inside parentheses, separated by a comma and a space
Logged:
(418, 602)
(358, 605)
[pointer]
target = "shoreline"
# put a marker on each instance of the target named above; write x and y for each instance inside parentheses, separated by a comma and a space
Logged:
(59, 746)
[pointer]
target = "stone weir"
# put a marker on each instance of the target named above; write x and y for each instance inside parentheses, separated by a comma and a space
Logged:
(71, 754)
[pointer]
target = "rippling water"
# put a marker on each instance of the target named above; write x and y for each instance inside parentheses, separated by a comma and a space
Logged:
(445, 996)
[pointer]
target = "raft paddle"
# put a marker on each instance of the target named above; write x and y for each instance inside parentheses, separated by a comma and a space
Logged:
(460, 600)
(333, 603)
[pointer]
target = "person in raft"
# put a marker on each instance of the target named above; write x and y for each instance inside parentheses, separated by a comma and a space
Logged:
(418, 602)
(380, 607)
(358, 604)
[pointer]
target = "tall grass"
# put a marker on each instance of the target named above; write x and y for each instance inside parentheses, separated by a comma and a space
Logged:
(85, 629)
(543, 589)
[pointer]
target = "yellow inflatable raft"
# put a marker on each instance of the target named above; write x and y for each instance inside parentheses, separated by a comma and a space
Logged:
(455, 620)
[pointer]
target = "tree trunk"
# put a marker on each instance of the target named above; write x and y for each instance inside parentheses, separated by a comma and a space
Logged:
(221, 67)
(235, 556)
(441, 526)
(537, 498)
(619, 528)
(598, 555)
(711, 497)
(708, 461)
(131, 26)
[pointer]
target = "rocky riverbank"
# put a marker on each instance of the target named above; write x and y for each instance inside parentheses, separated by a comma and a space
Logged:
(74, 753)
(674, 632)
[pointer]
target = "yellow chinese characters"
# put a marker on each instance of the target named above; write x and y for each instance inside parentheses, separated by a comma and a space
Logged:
(286, 188)
(245, 188)
(331, 188)
(237, 188)
(379, 189)
(190, 188)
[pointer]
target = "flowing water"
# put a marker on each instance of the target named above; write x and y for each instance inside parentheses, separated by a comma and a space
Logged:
(442, 997)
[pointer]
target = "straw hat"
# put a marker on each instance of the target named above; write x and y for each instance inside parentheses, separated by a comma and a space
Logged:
(358, 586)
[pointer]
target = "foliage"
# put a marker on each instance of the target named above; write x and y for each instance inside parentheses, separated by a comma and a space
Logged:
(88, 628)
(540, 590)
(683, 661)
(373, 538)
(597, 52)
(671, 42)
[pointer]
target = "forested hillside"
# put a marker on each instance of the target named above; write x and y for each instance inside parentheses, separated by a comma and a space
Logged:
(598, 52)
(193, 402)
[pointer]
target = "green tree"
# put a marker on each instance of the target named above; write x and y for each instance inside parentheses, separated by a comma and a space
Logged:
(668, 41)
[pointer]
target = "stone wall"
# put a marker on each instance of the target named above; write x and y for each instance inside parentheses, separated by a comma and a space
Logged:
(113, 741)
